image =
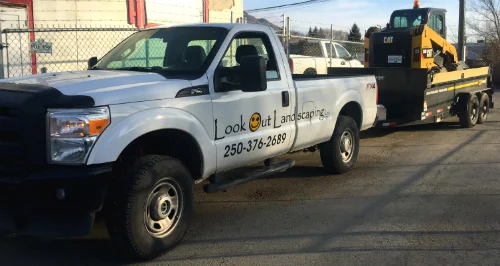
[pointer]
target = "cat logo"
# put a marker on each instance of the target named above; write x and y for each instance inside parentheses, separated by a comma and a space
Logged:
(388, 39)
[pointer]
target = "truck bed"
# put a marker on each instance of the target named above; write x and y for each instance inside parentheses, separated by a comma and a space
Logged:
(319, 93)
(298, 77)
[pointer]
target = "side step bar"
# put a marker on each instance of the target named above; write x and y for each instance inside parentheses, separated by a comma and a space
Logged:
(250, 176)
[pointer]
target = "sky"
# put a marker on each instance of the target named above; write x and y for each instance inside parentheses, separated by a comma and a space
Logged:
(344, 13)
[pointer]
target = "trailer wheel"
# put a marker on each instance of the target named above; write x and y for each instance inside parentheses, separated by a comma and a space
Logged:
(151, 207)
(469, 117)
(339, 154)
(484, 108)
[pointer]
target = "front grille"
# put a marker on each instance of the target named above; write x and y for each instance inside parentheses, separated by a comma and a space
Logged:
(23, 109)
(11, 145)
(22, 132)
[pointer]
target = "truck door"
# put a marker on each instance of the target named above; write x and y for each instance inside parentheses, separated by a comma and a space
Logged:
(250, 126)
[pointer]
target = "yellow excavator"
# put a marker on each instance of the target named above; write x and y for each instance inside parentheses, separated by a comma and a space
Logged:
(414, 38)
(419, 75)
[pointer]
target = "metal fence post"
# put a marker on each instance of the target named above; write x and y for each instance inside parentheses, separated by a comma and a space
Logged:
(288, 37)
(331, 45)
(284, 26)
(2, 74)
(283, 34)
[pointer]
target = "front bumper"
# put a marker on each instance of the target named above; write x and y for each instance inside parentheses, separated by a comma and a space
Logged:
(54, 202)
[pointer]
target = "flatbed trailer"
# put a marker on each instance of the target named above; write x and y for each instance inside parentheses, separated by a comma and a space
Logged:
(413, 96)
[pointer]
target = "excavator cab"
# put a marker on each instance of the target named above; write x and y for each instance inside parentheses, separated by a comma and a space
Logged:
(409, 18)
(414, 38)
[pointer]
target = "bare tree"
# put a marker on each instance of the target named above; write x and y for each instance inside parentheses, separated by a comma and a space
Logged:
(484, 22)
(452, 34)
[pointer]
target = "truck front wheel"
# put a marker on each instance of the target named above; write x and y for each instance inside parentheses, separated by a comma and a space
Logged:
(468, 118)
(339, 154)
(151, 207)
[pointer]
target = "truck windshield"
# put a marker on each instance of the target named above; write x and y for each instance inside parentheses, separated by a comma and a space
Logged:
(179, 50)
(408, 18)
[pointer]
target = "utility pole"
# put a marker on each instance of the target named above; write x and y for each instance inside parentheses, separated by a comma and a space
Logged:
(461, 32)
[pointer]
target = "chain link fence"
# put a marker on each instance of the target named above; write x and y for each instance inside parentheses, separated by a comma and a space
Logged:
(314, 47)
(32, 51)
(68, 49)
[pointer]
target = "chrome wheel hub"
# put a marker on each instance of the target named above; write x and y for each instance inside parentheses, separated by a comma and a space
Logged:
(163, 208)
(484, 113)
(347, 145)
(473, 113)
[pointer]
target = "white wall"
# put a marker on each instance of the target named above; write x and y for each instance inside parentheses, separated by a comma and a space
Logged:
(80, 13)
(174, 12)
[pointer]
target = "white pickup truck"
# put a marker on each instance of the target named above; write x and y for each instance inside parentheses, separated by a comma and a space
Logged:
(167, 108)
(314, 56)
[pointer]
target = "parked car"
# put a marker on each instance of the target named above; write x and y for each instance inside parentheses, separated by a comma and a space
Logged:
(315, 56)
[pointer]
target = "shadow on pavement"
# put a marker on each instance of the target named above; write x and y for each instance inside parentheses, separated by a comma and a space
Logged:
(31, 251)
(382, 132)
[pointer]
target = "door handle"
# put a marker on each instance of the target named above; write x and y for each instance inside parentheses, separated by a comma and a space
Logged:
(343, 63)
(285, 99)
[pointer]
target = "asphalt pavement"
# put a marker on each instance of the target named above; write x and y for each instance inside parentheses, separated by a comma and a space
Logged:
(422, 195)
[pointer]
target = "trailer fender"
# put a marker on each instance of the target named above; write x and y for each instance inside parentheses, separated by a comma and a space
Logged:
(461, 102)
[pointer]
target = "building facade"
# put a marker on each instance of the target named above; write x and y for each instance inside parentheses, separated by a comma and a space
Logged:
(71, 49)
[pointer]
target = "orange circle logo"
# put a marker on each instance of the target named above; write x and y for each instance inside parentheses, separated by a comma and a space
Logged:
(255, 122)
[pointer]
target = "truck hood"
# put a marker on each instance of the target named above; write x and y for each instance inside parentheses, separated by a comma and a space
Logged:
(108, 87)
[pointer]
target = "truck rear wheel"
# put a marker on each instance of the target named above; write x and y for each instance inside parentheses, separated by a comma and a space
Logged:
(151, 207)
(468, 118)
(339, 154)
(484, 108)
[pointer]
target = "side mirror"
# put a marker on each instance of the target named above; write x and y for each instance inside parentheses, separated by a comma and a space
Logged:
(253, 73)
(91, 63)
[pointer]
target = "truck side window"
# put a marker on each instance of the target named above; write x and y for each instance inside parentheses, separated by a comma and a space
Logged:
(331, 50)
(244, 44)
(343, 53)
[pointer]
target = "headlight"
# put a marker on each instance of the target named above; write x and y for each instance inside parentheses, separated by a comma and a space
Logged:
(73, 132)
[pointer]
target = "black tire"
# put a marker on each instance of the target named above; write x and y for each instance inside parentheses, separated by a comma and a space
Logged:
(4, 234)
(468, 118)
(332, 151)
(484, 108)
(310, 71)
(130, 208)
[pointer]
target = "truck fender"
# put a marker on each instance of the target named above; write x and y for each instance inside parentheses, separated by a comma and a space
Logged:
(349, 97)
(116, 138)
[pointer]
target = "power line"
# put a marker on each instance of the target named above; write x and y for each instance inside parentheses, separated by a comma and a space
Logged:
(309, 2)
